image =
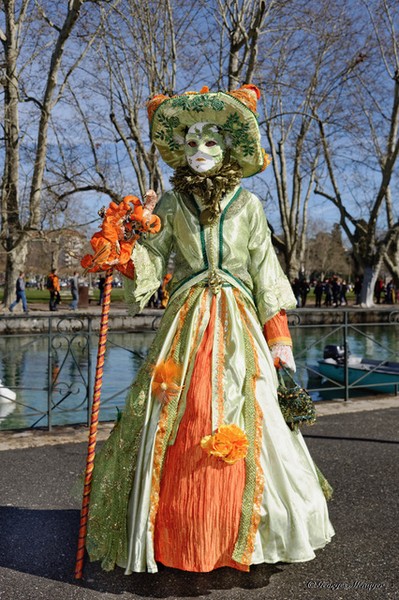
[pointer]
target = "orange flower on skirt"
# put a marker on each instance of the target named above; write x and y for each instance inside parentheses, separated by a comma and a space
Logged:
(165, 383)
(229, 443)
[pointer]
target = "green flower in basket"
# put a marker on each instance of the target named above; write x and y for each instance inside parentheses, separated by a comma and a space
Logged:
(295, 403)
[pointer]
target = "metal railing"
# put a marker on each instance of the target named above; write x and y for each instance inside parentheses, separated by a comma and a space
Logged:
(351, 377)
(52, 371)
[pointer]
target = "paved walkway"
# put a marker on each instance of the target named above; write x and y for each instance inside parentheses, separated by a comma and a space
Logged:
(17, 440)
(357, 449)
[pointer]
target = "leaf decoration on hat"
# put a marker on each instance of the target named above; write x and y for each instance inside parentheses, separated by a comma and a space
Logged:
(198, 102)
(233, 112)
(167, 134)
(239, 134)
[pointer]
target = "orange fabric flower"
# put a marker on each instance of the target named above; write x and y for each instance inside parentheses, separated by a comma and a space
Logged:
(120, 229)
(229, 443)
(165, 383)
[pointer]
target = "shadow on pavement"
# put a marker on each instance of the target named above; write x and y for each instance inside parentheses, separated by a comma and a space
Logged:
(350, 439)
(43, 543)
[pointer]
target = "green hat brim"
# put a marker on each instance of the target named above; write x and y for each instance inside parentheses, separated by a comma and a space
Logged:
(236, 121)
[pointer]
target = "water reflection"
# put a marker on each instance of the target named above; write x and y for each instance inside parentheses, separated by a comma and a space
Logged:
(30, 365)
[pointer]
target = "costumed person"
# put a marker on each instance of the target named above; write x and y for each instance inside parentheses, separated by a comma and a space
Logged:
(201, 471)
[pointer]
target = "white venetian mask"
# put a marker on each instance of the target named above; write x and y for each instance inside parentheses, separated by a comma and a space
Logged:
(204, 147)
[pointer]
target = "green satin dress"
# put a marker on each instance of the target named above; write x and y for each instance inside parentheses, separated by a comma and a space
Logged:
(230, 263)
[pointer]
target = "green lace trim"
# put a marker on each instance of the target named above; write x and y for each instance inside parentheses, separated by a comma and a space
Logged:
(250, 490)
(184, 338)
(237, 206)
(210, 186)
(327, 489)
(221, 224)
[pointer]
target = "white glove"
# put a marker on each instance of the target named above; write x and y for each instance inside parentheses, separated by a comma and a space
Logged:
(284, 353)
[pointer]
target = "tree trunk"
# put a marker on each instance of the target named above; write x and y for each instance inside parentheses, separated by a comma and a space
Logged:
(391, 260)
(15, 263)
(292, 268)
(370, 276)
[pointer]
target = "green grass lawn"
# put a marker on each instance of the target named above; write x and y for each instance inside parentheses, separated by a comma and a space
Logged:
(39, 296)
(117, 295)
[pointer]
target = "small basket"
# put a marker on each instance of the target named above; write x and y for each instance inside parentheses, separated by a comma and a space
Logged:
(295, 403)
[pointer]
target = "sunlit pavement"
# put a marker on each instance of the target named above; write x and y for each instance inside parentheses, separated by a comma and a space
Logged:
(357, 451)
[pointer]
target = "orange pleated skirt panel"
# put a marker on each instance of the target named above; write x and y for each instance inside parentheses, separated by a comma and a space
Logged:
(200, 499)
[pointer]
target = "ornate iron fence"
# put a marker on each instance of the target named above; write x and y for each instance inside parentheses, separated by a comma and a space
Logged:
(52, 370)
(376, 341)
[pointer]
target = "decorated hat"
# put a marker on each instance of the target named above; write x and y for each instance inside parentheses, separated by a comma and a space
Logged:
(233, 112)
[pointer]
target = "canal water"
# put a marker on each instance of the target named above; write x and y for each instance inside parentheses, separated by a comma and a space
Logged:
(29, 368)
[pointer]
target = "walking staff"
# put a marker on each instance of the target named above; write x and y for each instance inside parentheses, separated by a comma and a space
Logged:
(122, 226)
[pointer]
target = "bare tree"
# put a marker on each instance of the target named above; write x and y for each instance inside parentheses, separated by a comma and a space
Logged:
(135, 58)
(242, 25)
(326, 253)
(303, 73)
(140, 60)
(372, 129)
(34, 37)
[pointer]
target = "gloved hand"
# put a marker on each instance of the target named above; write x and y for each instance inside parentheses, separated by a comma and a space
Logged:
(283, 353)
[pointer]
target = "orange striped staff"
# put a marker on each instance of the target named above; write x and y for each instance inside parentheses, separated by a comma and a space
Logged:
(122, 226)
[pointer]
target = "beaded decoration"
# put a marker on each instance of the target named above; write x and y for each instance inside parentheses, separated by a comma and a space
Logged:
(295, 403)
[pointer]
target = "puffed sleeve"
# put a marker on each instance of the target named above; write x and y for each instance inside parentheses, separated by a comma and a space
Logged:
(150, 258)
(272, 290)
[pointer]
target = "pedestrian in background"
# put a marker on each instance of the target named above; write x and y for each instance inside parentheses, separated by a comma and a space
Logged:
(296, 288)
(20, 293)
(304, 290)
(101, 284)
(53, 286)
(318, 292)
(336, 291)
(379, 289)
(390, 293)
(344, 291)
(328, 292)
(73, 284)
(357, 288)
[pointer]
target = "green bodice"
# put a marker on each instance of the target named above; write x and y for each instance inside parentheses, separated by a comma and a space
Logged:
(234, 250)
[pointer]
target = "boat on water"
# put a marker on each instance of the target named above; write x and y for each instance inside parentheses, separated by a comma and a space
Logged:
(7, 401)
(380, 376)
